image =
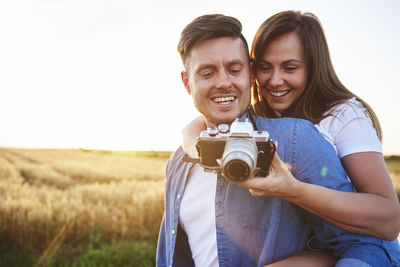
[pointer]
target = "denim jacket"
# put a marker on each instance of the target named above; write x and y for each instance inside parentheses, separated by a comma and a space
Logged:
(255, 231)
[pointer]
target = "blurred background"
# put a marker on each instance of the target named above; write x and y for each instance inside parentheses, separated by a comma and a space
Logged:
(102, 74)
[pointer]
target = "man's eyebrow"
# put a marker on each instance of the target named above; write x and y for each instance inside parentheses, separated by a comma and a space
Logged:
(212, 66)
(236, 62)
(205, 66)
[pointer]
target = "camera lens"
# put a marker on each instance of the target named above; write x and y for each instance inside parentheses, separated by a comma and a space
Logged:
(237, 170)
(239, 159)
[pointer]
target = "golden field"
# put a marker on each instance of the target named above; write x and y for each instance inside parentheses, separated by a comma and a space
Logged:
(47, 192)
(69, 193)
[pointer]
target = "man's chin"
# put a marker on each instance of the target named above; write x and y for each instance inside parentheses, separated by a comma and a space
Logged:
(216, 117)
(221, 120)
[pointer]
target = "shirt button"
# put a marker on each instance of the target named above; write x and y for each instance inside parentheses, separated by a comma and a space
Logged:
(179, 196)
(173, 231)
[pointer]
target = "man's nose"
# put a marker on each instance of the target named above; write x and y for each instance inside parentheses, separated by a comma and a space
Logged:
(223, 80)
(276, 79)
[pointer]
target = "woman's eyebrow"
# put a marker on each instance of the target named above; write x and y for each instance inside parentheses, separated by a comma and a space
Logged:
(291, 60)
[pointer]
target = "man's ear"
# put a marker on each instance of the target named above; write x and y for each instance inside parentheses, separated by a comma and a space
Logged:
(185, 81)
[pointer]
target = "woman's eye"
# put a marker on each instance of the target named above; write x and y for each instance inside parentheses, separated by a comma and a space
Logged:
(290, 68)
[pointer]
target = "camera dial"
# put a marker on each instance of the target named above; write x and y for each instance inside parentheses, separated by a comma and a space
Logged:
(223, 128)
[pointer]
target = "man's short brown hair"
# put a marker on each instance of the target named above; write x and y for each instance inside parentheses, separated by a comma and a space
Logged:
(208, 27)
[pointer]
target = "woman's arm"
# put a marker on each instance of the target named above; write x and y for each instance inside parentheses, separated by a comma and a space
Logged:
(374, 210)
(370, 176)
(190, 134)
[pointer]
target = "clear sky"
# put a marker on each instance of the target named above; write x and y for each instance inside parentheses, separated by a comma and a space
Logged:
(105, 74)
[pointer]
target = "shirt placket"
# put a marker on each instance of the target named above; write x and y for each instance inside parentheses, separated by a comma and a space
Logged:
(222, 237)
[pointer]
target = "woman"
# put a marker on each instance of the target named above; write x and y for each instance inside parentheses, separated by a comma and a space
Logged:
(294, 77)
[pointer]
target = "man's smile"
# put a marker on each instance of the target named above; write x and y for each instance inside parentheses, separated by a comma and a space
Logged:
(224, 100)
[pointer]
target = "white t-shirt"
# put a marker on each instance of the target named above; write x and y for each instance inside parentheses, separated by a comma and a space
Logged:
(349, 129)
(197, 216)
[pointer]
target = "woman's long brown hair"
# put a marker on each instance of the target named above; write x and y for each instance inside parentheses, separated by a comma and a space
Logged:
(323, 88)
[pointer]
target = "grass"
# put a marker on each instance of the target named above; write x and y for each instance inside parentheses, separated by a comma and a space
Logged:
(94, 252)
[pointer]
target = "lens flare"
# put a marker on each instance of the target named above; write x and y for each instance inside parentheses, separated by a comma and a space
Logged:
(287, 166)
(324, 171)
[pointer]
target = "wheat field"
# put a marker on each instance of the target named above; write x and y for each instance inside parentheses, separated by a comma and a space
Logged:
(43, 190)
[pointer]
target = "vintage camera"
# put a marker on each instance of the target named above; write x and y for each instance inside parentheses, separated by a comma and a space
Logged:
(242, 151)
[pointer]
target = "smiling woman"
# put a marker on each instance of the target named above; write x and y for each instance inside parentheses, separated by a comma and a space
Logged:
(282, 71)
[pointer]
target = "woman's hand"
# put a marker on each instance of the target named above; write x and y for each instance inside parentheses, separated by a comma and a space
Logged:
(280, 182)
(190, 133)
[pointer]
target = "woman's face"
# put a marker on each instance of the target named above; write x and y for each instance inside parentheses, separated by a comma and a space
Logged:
(282, 72)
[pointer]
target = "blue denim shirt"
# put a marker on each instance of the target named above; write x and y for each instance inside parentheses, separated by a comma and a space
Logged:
(255, 231)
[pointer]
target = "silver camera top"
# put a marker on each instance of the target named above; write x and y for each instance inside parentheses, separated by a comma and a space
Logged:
(240, 128)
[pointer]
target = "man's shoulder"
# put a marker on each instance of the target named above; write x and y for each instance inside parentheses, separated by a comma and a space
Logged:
(175, 162)
(177, 154)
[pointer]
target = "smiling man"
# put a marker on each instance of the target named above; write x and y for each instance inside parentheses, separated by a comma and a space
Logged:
(209, 221)
(218, 78)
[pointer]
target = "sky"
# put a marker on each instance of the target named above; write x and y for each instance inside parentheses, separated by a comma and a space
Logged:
(105, 74)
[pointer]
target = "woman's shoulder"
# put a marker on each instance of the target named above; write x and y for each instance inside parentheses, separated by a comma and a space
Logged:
(348, 110)
(349, 129)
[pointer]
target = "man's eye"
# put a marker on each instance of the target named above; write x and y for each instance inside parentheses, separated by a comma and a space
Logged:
(236, 70)
(206, 74)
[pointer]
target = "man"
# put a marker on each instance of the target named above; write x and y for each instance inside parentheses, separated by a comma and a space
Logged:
(209, 221)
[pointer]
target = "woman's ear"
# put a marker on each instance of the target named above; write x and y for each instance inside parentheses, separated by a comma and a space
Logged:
(185, 81)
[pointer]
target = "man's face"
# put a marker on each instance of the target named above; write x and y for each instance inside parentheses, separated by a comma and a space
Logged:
(219, 79)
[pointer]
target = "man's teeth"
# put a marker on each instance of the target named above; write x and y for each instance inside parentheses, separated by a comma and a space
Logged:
(224, 100)
(282, 93)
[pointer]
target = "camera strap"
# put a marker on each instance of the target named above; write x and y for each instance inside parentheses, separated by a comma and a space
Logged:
(189, 159)
(250, 115)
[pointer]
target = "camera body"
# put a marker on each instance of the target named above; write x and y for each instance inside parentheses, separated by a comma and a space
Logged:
(242, 151)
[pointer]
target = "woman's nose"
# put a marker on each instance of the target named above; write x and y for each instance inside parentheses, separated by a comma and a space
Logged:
(276, 79)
